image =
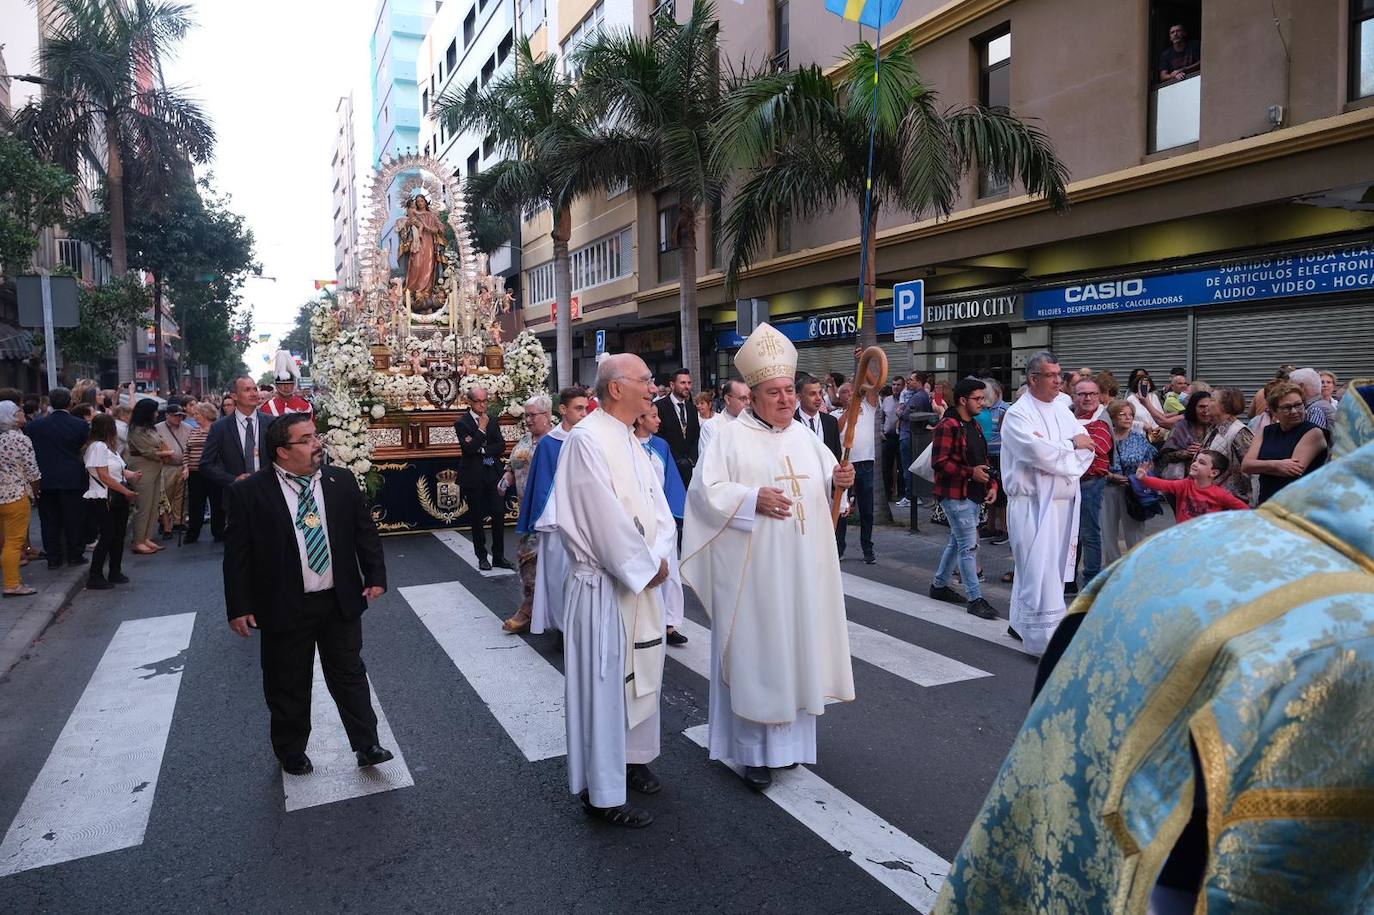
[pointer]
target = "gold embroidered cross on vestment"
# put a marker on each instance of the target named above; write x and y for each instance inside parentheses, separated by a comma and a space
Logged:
(795, 479)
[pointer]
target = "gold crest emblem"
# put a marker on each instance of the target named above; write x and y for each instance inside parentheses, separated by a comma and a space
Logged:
(447, 503)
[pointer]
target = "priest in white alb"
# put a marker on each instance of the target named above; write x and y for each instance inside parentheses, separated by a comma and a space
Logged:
(619, 532)
(1044, 453)
(759, 551)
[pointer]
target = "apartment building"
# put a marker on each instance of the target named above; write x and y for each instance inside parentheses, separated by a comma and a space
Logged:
(343, 168)
(1221, 219)
(469, 43)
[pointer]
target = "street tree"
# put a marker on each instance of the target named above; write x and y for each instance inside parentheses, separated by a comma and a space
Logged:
(798, 143)
(655, 98)
(518, 111)
(104, 105)
(33, 194)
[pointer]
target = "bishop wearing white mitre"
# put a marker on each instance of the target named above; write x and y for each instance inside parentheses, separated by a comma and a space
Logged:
(758, 512)
(619, 532)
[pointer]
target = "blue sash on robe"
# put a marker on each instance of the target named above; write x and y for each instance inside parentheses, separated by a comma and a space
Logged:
(539, 483)
(672, 480)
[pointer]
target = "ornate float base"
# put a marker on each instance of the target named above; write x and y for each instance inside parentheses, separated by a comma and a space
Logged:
(416, 452)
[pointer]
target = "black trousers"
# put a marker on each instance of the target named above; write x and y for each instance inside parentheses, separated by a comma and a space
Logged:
(487, 507)
(111, 520)
(62, 521)
(200, 490)
(861, 498)
(288, 672)
(894, 483)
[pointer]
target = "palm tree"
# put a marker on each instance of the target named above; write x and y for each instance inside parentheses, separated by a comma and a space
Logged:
(801, 144)
(100, 62)
(655, 98)
(518, 110)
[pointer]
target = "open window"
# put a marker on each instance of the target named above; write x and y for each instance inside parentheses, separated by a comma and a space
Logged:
(1175, 76)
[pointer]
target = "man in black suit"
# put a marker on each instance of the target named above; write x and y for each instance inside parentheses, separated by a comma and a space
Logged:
(479, 470)
(57, 442)
(809, 401)
(301, 560)
(235, 446)
(679, 424)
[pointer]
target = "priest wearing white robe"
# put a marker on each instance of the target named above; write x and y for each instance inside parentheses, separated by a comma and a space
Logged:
(758, 509)
(1044, 453)
(735, 393)
(619, 532)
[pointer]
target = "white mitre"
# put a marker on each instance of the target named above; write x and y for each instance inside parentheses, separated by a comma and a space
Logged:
(766, 354)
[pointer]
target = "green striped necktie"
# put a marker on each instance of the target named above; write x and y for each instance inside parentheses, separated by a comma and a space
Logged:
(311, 525)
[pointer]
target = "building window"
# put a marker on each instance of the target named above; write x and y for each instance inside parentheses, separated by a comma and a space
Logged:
(782, 34)
(503, 50)
(782, 233)
(424, 102)
(470, 27)
(1175, 73)
(1361, 48)
(583, 33)
(532, 13)
(666, 11)
(481, 4)
(451, 56)
(667, 238)
(596, 264)
(994, 91)
(488, 69)
(488, 145)
(539, 283)
(472, 163)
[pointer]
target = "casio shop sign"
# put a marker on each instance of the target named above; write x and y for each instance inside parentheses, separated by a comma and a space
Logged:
(1113, 289)
(820, 328)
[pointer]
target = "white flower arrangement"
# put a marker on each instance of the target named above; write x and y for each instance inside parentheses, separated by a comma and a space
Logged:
(343, 374)
(527, 366)
(395, 389)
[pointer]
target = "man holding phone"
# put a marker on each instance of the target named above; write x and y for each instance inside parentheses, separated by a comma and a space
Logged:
(963, 482)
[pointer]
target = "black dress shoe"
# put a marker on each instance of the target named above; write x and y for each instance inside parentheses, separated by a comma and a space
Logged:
(624, 815)
(870, 559)
(946, 594)
(373, 756)
(758, 777)
(676, 638)
(980, 608)
(118, 578)
(1013, 633)
(78, 561)
(484, 565)
(639, 777)
(296, 764)
(504, 564)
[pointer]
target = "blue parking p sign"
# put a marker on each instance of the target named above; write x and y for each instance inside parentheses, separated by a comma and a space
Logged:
(908, 311)
(600, 342)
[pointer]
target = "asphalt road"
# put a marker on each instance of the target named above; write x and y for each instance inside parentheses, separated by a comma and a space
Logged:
(150, 775)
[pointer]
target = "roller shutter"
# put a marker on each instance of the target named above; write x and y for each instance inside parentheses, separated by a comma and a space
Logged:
(1154, 342)
(1243, 347)
(820, 358)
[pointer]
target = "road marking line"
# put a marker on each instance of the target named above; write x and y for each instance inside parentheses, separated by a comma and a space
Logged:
(463, 547)
(337, 776)
(518, 685)
(888, 855)
(910, 662)
(95, 792)
(920, 607)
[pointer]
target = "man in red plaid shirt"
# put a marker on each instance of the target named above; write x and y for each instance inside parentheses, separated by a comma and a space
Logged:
(963, 482)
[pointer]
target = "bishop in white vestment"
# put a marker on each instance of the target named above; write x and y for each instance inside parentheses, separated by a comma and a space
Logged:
(618, 531)
(1044, 453)
(758, 511)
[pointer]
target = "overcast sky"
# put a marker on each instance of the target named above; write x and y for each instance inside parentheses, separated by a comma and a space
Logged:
(270, 75)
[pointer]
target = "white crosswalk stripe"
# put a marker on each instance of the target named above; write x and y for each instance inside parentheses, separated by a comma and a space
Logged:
(523, 691)
(921, 607)
(888, 855)
(337, 776)
(95, 792)
(463, 547)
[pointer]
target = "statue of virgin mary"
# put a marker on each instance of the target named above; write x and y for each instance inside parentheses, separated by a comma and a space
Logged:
(422, 251)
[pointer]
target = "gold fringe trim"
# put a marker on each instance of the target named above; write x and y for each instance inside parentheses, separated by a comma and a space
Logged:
(1303, 804)
(1300, 525)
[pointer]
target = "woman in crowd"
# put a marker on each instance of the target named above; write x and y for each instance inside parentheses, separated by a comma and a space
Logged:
(18, 487)
(107, 499)
(1130, 448)
(1230, 437)
(1150, 417)
(1185, 441)
(705, 401)
(226, 405)
(146, 455)
(1329, 390)
(200, 489)
(121, 415)
(538, 421)
(1109, 388)
(1289, 448)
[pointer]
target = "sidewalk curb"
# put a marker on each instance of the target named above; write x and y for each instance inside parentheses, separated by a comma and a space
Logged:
(56, 595)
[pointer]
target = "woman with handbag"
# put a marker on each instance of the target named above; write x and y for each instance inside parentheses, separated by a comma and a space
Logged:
(107, 499)
(1130, 448)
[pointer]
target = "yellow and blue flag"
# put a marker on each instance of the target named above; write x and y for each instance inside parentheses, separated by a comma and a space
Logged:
(873, 13)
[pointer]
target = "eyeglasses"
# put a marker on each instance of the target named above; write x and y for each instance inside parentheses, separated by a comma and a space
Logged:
(1289, 407)
(307, 440)
(477, 400)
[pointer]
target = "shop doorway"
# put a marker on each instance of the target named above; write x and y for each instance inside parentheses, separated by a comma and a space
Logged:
(984, 351)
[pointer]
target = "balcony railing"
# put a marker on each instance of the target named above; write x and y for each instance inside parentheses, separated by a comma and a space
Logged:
(1175, 113)
(667, 9)
(780, 61)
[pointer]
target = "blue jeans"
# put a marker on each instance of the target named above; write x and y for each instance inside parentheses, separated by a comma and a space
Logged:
(860, 497)
(963, 544)
(1090, 526)
(906, 458)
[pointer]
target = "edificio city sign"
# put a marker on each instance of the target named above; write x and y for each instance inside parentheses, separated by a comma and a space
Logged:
(1345, 269)
(978, 310)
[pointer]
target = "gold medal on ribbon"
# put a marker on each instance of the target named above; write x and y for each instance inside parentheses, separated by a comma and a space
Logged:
(312, 520)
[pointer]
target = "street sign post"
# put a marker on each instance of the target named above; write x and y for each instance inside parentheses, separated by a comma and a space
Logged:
(600, 343)
(908, 311)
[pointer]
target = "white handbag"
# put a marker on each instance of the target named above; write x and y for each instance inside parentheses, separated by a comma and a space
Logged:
(921, 466)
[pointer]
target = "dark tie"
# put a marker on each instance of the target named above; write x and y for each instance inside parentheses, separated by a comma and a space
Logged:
(813, 425)
(682, 414)
(250, 450)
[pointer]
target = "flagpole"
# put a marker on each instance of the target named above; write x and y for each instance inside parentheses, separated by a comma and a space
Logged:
(868, 184)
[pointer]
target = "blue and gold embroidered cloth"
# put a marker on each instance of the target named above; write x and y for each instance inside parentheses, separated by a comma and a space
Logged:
(1248, 636)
